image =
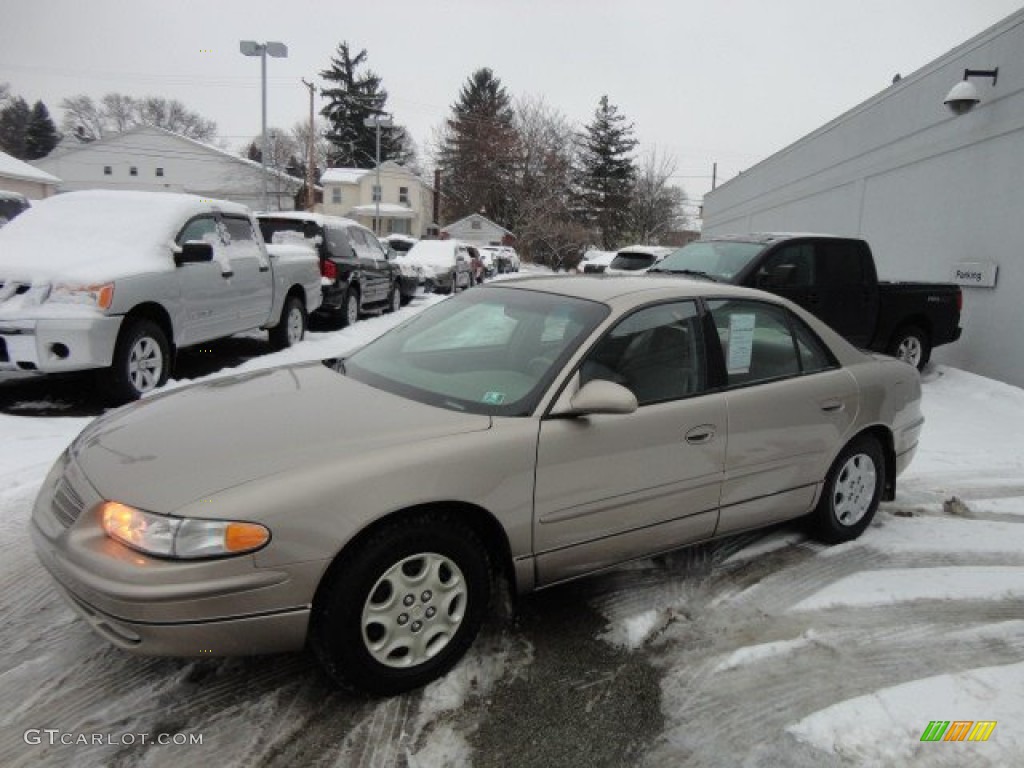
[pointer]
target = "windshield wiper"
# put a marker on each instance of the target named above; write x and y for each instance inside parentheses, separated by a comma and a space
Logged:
(687, 272)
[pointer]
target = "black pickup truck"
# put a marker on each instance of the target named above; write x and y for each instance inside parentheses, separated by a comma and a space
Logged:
(835, 279)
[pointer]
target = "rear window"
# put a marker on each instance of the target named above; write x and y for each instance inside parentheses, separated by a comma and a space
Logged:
(632, 261)
(269, 226)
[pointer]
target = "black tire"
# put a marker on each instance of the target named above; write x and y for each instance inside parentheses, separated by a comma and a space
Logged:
(912, 345)
(291, 328)
(350, 307)
(342, 630)
(142, 362)
(394, 299)
(852, 491)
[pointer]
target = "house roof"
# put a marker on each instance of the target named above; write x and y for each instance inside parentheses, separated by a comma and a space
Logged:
(343, 175)
(67, 148)
(471, 217)
(13, 168)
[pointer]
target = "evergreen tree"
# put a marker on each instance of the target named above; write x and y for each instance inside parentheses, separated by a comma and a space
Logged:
(355, 95)
(14, 122)
(41, 136)
(478, 152)
(604, 178)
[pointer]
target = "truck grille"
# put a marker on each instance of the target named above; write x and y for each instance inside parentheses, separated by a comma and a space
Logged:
(67, 505)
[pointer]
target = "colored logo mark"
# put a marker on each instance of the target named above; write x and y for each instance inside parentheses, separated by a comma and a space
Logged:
(958, 730)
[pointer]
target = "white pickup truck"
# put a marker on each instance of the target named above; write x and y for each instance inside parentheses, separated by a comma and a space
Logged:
(117, 281)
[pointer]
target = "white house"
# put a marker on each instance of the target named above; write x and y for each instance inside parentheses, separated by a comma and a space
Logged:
(938, 195)
(156, 160)
(404, 201)
(18, 176)
(476, 228)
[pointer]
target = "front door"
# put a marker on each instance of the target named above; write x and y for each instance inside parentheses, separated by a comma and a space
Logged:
(207, 295)
(610, 488)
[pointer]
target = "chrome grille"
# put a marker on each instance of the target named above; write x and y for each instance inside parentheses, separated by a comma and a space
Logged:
(67, 505)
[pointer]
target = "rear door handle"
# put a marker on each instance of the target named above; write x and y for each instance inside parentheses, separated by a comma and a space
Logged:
(833, 405)
(700, 435)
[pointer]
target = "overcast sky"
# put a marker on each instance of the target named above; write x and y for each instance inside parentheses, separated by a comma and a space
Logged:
(730, 81)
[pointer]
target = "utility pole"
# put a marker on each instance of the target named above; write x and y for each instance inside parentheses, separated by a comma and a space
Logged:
(370, 122)
(714, 174)
(310, 194)
(278, 51)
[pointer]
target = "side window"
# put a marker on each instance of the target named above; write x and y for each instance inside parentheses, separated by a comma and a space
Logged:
(840, 263)
(755, 340)
(358, 240)
(792, 266)
(337, 243)
(239, 230)
(656, 353)
(203, 228)
(813, 354)
(378, 250)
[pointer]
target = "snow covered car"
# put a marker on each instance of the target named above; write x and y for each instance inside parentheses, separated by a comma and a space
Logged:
(537, 430)
(118, 281)
(637, 259)
(444, 264)
(356, 272)
(499, 259)
(595, 262)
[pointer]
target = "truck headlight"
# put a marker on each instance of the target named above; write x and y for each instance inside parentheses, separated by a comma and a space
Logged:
(101, 296)
(180, 537)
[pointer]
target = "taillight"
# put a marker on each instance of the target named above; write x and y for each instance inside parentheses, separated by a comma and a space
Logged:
(329, 269)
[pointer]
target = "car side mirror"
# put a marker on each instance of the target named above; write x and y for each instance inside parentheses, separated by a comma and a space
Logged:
(194, 252)
(601, 396)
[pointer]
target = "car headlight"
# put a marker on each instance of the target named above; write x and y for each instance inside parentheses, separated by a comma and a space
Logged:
(101, 296)
(180, 537)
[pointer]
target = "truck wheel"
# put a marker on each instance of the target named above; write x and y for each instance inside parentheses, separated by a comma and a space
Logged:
(911, 345)
(404, 607)
(141, 361)
(350, 307)
(292, 325)
(853, 488)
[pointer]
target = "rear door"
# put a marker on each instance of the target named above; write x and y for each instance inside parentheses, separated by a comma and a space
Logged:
(372, 265)
(252, 282)
(848, 288)
(610, 488)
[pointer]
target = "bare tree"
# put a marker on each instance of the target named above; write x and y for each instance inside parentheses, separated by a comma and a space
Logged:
(657, 205)
(5, 93)
(118, 112)
(83, 118)
(321, 146)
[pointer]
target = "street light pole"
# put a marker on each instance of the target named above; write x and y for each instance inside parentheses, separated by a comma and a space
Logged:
(370, 122)
(278, 51)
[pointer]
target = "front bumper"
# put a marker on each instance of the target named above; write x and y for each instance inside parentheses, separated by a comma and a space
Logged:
(58, 344)
(160, 607)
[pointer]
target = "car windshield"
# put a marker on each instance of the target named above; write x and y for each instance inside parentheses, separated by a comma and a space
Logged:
(719, 259)
(491, 350)
(632, 261)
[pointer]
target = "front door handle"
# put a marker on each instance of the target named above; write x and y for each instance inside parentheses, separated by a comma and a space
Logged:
(700, 435)
(227, 274)
(833, 406)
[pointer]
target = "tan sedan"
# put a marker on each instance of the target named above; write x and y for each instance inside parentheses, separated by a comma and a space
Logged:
(535, 430)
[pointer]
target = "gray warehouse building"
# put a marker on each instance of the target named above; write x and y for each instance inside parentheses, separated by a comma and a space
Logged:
(938, 195)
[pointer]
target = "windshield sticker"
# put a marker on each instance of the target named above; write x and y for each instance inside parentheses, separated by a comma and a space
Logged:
(741, 343)
(494, 398)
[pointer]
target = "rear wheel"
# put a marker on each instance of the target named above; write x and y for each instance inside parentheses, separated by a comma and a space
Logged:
(350, 307)
(404, 607)
(291, 327)
(141, 361)
(394, 299)
(911, 345)
(853, 489)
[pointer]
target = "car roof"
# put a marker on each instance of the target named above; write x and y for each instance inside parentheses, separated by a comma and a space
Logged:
(648, 250)
(613, 289)
(319, 218)
(767, 238)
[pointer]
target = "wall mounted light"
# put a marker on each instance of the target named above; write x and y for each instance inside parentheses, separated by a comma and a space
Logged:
(963, 96)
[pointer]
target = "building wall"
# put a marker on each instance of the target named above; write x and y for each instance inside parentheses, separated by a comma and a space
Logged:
(33, 190)
(187, 167)
(925, 188)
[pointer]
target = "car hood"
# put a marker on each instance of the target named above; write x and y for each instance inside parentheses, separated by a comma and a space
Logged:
(172, 449)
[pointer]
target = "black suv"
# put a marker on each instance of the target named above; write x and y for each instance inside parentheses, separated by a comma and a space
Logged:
(357, 275)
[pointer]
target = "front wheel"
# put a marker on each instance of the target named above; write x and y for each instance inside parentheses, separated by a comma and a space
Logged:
(291, 328)
(911, 345)
(403, 608)
(141, 361)
(853, 489)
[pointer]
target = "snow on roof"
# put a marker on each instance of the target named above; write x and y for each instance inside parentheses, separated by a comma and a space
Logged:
(318, 218)
(96, 236)
(433, 253)
(394, 210)
(13, 168)
(343, 175)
